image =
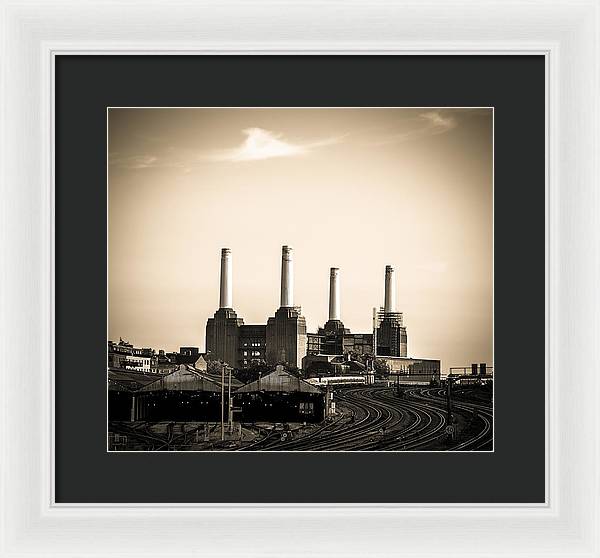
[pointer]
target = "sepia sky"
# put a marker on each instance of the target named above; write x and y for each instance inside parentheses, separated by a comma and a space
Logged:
(350, 188)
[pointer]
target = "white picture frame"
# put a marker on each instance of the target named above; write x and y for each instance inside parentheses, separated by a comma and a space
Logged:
(565, 32)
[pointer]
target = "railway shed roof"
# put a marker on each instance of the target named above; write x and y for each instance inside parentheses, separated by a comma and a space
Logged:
(279, 381)
(128, 380)
(185, 378)
(216, 378)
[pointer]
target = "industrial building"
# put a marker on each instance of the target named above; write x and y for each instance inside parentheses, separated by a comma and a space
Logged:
(412, 371)
(337, 365)
(122, 385)
(185, 394)
(284, 339)
(389, 334)
(150, 386)
(281, 340)
(189, 394)
(186, 390)
(280, 397)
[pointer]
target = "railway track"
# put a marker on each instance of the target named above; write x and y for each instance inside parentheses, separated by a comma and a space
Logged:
(372, 418)
(384, 422)
(470, 406)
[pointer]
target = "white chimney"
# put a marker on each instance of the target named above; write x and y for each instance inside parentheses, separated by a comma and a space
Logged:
(390, 289)
(226, 293)
(287, 277)
(334, 294)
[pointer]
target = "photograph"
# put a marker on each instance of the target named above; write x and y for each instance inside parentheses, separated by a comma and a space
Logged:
(295, 243)
(294, 279)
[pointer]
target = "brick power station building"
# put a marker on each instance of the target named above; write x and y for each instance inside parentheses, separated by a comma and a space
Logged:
(284, 339)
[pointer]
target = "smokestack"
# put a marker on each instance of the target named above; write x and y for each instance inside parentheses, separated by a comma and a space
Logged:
(287, 277)
(390, 289)
(226, 293)
(334, 294)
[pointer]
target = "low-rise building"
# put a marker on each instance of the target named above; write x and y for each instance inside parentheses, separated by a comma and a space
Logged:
(280, 397)
(125, 356)
(416, 371)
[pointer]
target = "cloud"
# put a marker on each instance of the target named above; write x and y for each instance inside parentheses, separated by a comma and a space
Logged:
(147, 161)
(260, 144)
(430, 123)
(263, 144)
(139, 161)
(436, 123)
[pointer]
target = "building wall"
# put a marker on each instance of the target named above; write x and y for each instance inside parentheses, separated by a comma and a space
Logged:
(193, 352)
(323, 343)
(124, 355)
(116, 360)
(314, 344)
(252, 345)
(140, 363)
(286, 337)
(280, 407)
(283, 339)
(328, 365)
(176, 406)
(391, 338)
(413, 370)
(360, 343)
(118, 353)
(301, 342)
(403, 342)
(222, 336)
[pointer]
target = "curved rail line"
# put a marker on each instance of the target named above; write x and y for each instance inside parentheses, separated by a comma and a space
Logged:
(383, 421)
(372, 418)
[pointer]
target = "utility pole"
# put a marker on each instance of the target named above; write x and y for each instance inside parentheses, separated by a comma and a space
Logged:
(223, 402)
(132, 415)
(229, 406)
(375, 324)
(449, 401)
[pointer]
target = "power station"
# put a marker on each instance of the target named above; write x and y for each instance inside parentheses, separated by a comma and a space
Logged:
(354, 392)
(284, 339)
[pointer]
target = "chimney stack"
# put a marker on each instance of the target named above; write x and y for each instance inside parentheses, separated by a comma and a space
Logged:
(226, 293)
(390, 290)
(287, 277)
(334, 294)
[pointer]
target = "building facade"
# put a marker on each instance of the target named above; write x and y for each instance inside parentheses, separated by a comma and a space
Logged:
(281, 341)
(284, 338)
(389, 331)
(412, 371)
(252, 345)
(125, 356)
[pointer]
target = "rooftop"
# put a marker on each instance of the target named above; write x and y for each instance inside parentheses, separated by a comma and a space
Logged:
(279, 381)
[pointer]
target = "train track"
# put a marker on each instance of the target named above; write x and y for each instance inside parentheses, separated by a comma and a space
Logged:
(473, 407)
(371, 418)
(153, 440)
(382, 421)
